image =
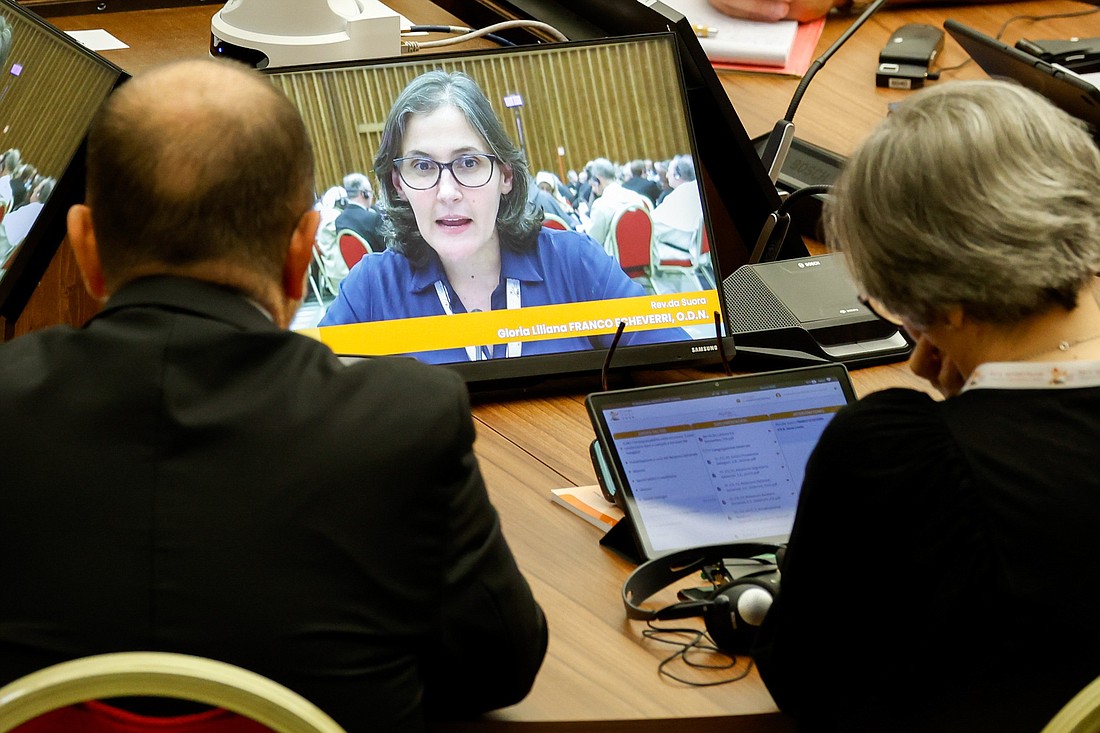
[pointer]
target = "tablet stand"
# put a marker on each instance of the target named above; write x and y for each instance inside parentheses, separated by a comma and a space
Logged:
(620, 539)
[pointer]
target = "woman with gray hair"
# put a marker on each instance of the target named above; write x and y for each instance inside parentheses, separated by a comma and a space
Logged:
(944, 568)
(462, 236)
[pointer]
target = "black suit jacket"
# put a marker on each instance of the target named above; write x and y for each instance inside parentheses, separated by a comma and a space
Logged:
(644, 186)
(367, 222)
(180, 474)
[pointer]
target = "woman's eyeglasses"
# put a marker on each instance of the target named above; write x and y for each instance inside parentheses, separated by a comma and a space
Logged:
(471, 171)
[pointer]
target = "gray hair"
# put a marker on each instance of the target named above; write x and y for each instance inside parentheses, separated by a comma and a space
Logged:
(603, 169)
(517, 223)
(977, 194)
(356, 183)
(684, 167)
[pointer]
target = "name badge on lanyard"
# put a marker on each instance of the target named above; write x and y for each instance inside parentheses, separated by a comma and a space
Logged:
(512, 301)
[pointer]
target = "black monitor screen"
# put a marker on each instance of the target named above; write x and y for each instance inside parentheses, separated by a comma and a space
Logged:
(50, 88)
(455, 267)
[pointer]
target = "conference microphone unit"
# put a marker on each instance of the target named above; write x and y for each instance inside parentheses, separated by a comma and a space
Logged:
(807, 310)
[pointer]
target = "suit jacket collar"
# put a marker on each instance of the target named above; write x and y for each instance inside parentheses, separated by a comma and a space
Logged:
(187, 295)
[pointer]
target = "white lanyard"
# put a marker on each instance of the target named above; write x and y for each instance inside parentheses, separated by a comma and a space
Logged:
(512, 301)
(1035, 375)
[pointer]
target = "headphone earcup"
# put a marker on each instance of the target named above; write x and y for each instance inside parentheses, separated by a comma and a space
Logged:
(737, 610)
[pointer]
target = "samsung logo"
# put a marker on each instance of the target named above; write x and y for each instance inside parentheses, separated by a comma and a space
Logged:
(701, 349)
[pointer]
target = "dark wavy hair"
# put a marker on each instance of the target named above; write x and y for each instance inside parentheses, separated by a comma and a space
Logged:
(517, 222)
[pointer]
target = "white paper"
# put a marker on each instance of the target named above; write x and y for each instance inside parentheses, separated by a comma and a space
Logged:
(97, 40)
(739, 41)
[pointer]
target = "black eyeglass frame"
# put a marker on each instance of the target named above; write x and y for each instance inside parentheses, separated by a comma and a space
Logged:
(439, 167)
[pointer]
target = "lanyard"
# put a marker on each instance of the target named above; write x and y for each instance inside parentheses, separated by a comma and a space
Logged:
(1035, 375)
(512, 301)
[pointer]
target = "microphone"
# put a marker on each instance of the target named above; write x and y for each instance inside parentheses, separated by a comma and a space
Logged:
(779, 141)
(606, 368)
(778, 222)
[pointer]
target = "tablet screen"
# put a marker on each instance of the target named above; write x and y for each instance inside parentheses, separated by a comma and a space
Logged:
(715, 461)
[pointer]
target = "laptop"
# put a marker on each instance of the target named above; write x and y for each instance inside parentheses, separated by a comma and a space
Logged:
(1067, 89)
(713, 461)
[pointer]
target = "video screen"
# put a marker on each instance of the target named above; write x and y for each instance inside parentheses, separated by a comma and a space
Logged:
(50, 89)
(508, 206)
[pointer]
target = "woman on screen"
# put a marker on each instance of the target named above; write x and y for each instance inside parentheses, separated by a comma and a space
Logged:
(461, 236)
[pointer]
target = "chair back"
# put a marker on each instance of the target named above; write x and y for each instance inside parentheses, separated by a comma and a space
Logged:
(632, 239)
(353, 247)
(1081, 714)
(553, 221)
(158, 674)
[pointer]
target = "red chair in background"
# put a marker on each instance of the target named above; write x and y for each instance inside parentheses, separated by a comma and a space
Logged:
(553, 221)
(631, 241)
(353, 246)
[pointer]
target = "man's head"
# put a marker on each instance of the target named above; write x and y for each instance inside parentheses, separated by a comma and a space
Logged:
(42, 190)
(681, 170)
(601, 172)
(10, 159)
(199, 168)
(359, 189)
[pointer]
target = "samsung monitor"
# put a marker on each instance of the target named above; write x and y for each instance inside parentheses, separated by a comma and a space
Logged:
(50, 89)
(556, 297)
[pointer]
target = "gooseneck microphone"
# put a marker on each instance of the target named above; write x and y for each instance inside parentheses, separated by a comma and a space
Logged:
(779, 141)
(774, 155)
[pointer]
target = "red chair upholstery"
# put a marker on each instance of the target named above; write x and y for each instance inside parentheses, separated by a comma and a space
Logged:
(352, 246)
(98, 717)
(552, 221)
(632, 239)
(64, 698)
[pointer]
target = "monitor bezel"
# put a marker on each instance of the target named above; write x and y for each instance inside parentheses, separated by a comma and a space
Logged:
(32, 258)
(507, 373)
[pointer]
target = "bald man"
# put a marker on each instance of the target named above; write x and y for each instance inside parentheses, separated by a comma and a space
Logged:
(184, 474)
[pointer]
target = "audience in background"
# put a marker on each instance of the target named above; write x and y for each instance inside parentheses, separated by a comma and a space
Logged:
(660, 174)
(22, 183)
(18, 223)
(329, 207)
(638, 181)
(359, 214)
(943, 573)
(543, 195)
(611, 198)
(679, 216)
(10, 160)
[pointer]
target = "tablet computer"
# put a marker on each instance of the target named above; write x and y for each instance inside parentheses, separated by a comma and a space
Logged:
(1065, 88)
(714, 461)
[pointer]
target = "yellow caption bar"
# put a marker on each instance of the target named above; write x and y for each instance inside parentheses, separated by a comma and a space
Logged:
(537, 323)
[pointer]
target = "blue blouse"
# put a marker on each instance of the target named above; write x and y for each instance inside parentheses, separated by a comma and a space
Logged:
(565, 267)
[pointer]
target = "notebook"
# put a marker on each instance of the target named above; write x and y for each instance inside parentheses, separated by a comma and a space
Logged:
(714, 461)
(1067, 89)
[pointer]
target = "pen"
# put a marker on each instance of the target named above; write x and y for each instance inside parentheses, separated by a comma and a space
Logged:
(704, 31)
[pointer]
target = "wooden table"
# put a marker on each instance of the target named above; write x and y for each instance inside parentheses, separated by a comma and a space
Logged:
(598, 668)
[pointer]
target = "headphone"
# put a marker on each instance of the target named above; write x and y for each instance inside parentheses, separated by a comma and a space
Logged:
(732, 612)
